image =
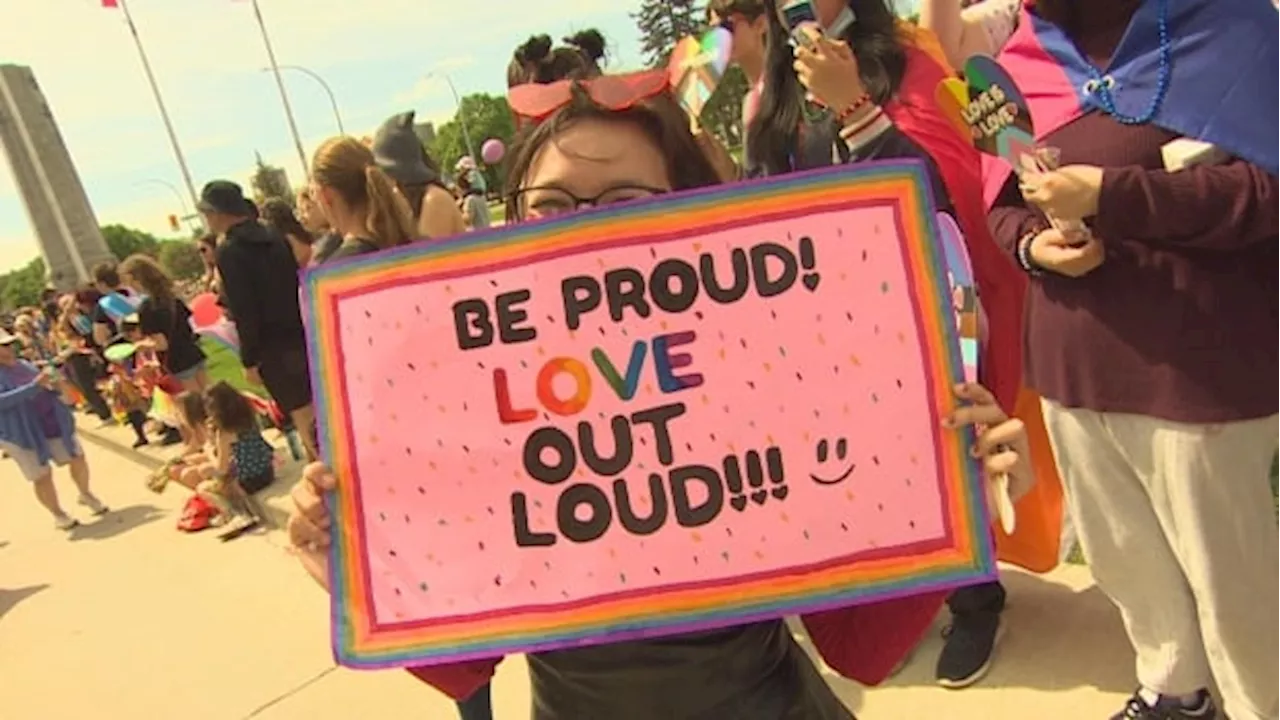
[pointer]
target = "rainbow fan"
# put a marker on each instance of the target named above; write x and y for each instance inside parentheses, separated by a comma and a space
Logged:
(989, 109)
(697, 65)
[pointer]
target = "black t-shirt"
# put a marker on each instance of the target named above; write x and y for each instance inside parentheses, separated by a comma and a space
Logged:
(752, 672)
(325, 246)
(174, 323)
(352, 247)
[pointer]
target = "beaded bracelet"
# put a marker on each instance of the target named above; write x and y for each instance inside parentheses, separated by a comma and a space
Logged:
(862, 101)
(1023, 253)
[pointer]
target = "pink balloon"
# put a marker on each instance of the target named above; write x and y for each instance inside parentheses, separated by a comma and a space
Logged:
(492, 151)
(205, 310)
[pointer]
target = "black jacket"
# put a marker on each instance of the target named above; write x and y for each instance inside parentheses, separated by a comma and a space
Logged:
(260, 282)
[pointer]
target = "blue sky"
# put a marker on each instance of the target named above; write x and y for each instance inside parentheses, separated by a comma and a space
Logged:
(208, 56)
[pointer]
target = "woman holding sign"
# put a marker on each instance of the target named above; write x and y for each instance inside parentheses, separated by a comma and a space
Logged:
(606, 141)
(843, 85)
(1151, 334)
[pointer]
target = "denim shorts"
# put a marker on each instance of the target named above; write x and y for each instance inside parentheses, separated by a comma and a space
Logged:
(60, 454)
(190, 372)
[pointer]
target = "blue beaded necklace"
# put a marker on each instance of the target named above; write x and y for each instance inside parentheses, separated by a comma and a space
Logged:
(1100, 85)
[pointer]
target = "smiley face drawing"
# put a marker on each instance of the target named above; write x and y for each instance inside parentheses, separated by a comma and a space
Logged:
(824, 450)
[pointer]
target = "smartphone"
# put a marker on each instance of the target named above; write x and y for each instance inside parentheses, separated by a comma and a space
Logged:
(799, 13)
(795, 15)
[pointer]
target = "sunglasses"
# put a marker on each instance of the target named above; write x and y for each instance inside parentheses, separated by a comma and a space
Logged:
(535, 102)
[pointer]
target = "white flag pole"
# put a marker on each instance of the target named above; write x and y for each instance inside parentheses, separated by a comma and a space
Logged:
(284, 96)
(164, 113)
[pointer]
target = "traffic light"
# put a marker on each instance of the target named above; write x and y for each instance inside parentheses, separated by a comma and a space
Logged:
(173, 223)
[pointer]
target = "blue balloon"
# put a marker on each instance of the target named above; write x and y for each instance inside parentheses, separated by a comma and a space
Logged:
(117, 306)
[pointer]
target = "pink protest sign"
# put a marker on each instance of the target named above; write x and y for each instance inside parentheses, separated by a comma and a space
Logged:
(661, 417)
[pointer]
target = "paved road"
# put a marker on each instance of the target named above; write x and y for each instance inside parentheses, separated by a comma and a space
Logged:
(129, 619)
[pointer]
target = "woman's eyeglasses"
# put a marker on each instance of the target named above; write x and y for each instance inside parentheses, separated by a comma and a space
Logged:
(545, 202)
(536, 102)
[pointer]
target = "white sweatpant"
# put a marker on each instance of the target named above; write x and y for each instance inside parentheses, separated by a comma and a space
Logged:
(1179, 528)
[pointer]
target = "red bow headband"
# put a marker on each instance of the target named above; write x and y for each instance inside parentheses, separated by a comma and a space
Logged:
(535, 102)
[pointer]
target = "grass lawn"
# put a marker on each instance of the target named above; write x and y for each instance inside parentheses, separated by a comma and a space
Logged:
(498, 213)
(223, 363)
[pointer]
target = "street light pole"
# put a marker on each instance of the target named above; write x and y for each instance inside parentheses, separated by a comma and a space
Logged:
(462, 117)
(284, 96)
(172, 188)
(333, 100)
(192, 220)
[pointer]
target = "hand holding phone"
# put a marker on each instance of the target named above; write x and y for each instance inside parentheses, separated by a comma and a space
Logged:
(800, 15)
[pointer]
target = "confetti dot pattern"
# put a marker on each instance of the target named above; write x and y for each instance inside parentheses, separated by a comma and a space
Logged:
(843, 362)
(772, 378)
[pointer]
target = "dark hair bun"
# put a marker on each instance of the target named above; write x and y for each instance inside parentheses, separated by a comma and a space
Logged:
(535, 49)
(590, 42)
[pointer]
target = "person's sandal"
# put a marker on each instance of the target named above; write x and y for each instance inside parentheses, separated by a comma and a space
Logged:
(239, 528)
(159, 479)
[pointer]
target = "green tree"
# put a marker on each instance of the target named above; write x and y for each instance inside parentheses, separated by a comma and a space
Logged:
(662, 23)
(270, 182)
(180, 259)
(723, 112)
(125, 241)
(23, 286)
(487, 117)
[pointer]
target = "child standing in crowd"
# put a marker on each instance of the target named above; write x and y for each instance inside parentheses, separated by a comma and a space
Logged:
(126, 398)
(149, 377)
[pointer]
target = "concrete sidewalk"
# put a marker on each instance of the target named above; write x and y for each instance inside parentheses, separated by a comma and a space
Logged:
(130, 619)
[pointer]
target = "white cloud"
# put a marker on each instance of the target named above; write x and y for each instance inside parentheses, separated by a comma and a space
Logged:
(208, 55)
(17, 251)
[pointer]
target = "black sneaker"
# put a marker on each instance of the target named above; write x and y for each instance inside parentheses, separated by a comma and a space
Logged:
(970, 643)
(1167, 708)
(171, 436)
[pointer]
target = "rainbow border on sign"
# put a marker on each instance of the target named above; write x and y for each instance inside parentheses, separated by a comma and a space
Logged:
(962, 558)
